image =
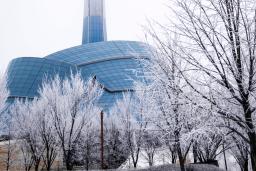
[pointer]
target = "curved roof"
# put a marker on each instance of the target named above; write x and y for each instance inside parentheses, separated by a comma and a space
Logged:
(101, 51)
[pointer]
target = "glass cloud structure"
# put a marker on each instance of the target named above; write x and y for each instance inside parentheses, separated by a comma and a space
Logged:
(112, 62)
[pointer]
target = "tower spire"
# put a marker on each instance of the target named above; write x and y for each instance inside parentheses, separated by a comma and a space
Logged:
(94, 28)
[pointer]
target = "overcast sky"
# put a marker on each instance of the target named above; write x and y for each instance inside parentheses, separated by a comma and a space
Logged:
(40, 27)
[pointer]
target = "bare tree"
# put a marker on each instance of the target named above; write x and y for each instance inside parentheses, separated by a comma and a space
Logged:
(9, 148)
(132, 121)
(90, 149)
(115, 150)
(72, 103)
(28, 160)
(207, 148)
(180, 112)
(173, 152)
(151, 143)
(46, 133)
(5, 125)
(240, 151)
(216, 38)
(33, 125)
(4, 93)
(9, 156)
(26, 130)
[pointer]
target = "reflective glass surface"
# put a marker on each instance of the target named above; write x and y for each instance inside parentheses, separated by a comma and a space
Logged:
(113, 63)
(94, 52)
(25, 75)
(94, 29)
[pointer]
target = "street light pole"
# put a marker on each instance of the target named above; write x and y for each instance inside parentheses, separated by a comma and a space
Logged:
(102, 139)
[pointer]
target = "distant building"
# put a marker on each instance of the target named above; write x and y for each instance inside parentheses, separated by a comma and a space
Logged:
(112, 62)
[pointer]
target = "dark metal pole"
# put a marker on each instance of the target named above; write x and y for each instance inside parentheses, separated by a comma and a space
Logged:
(102, 139)
(225, 159)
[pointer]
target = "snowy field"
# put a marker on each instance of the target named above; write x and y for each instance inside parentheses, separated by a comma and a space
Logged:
(172, 168)
(162, 157)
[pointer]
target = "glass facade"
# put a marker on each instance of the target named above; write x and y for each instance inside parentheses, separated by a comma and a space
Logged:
(94, 22)
(112, 62)
(25, 75)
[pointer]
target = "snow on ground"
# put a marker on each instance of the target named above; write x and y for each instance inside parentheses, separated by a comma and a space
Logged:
(232, 165)
(163, 157)
(171, 167)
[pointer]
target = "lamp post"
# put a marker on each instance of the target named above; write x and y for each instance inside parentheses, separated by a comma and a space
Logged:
(102, 139)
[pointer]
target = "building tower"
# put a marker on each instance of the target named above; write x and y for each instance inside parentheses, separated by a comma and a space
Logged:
(94, 28)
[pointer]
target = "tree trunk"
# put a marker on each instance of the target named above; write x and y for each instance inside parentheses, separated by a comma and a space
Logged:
(49, 163)
(195, 154)
(251, 134)
(151, 159)
(245, 166)
(37, 162)
(8, 161)
(36, 167)
(173, 155)
(69, 164)
(181, 158)
(135, 164)
(252, 137)
(87, 165)
(48, 168)
(173, 159)
(87, 155)
(7, 167)
(182, 163)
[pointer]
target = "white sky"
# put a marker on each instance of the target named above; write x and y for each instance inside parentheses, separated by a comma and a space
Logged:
(40, 27)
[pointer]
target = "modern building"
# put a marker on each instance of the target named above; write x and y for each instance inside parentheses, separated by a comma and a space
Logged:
(112, 62)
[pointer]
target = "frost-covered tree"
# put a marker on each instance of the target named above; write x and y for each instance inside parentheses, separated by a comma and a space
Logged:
(216, 40)
(9, 157)
(115, 148)
(5, 125)
(72, 104)
(151, 142)
(124, 113)
(34, 127)
(207, 148)
(26, 130)
(4, 93)
(177, 119)
(240, 151)
(46, 133)
(87, 149)
(181, 114)
(132, 120)
(27, 158)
